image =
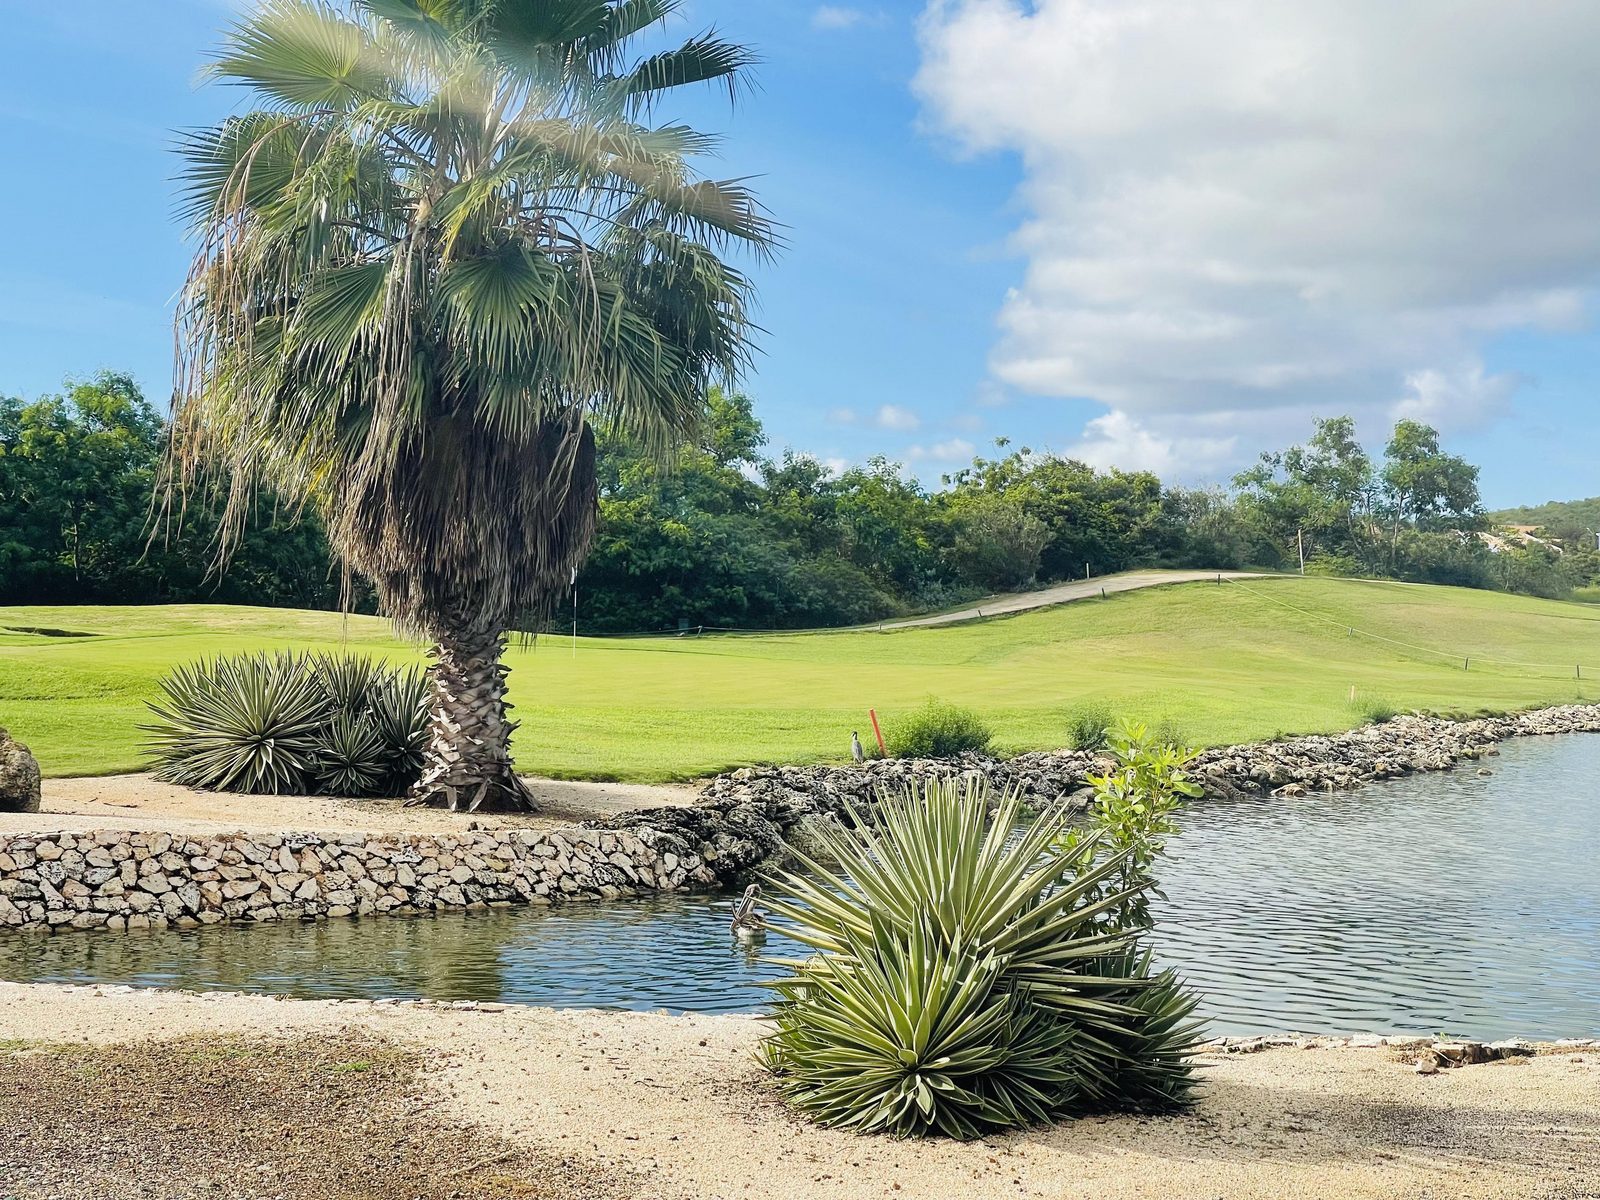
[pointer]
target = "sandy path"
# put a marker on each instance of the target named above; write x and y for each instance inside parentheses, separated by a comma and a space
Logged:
(142, 802)
(679, 1100)
(1062, 593)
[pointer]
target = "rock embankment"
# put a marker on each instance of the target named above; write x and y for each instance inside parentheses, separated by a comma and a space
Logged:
(749, 813)
(116, 879)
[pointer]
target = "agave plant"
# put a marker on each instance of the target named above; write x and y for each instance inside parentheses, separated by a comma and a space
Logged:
(244, 724)
(350, 757)
(399, 707)
(960, 980)
(350, 679)
(290, 723)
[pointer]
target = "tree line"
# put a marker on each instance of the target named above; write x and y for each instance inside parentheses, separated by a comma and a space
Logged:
(722, 535)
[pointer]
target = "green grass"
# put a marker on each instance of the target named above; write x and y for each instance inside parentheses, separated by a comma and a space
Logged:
(1226, 663)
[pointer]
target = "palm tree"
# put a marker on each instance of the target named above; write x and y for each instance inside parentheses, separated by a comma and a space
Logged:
(449, 238)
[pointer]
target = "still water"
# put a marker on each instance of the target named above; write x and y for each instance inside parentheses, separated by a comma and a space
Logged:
(1444, 903)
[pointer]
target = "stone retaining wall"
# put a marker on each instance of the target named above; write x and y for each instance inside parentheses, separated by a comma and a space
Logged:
(116, 879)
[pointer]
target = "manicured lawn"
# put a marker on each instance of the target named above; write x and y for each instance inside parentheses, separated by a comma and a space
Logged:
(1226, 663)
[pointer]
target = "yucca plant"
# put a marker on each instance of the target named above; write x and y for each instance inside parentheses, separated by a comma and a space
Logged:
(958, 985)
(290, 723)
(350, 756)
(244, 724)
(399, 707)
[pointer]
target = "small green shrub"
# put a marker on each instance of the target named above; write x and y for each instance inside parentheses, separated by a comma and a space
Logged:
(1374, 710)
(1089, 726)
(289, 724)
(1588, 594)
(937, 730)
(963, 981)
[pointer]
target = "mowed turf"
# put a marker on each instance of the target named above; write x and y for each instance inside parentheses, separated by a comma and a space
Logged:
(1229, 662)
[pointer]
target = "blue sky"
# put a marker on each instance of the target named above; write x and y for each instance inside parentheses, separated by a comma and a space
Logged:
(1062, 223)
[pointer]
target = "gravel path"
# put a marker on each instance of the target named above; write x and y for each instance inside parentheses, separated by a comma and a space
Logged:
(1063, 593)
(143, 802)
(584, 1103)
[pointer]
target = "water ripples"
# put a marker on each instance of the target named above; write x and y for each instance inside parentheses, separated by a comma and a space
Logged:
(1442, 903)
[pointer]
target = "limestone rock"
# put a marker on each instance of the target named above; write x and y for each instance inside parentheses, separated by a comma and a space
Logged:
(19, 776)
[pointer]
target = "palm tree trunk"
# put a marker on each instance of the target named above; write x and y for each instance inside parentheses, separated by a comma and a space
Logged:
(467, 763)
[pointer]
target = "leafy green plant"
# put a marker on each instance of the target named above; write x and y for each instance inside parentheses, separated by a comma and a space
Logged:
(398, 706)
(1374, 710)
(1132, 815)
(937, 730)
(290, 723)
(1089, 725)
(958, 983)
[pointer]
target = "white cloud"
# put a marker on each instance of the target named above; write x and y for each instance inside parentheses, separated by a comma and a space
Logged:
(842, 416)
(1467, 398)
(836, 466)
(1245, 212)
(1119, 440)
(833, 17)
(892, 416)
(953, 450)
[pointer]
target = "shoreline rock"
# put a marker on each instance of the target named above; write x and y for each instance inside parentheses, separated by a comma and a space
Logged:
(119, 879)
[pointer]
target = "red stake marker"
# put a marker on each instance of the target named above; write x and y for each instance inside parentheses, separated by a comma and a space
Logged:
(882, 749)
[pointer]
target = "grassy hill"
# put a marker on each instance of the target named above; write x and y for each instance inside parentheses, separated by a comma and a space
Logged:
(1226, 662)
(1583, 514)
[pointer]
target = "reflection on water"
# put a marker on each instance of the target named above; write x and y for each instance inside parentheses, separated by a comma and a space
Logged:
(1450, 903)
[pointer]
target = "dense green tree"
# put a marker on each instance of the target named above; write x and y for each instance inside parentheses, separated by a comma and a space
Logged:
(78, 474)
(997, 542)
(451, 237)
(1425, 488)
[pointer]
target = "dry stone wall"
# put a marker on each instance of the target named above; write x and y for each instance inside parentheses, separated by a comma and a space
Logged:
(116, 879)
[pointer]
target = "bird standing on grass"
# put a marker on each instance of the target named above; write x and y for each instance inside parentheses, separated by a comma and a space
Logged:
(856, 752)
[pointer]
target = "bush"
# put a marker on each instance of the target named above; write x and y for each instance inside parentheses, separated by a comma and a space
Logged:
(996, 544)
(290, 724)
(937, 730)
(1374, 710)
(962, 982)
(1089, 726)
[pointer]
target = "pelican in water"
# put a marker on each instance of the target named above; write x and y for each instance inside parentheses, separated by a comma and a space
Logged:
(747, 923)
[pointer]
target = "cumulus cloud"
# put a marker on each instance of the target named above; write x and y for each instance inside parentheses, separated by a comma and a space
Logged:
(1118, 439)
(1465, 399)
(892, 416)
(1248, 212)
(953, 450)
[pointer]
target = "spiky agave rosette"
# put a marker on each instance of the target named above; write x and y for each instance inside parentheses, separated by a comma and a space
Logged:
(964, 980)
(288, 724)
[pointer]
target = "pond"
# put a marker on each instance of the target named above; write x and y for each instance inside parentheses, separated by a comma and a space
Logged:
(1451, 903)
